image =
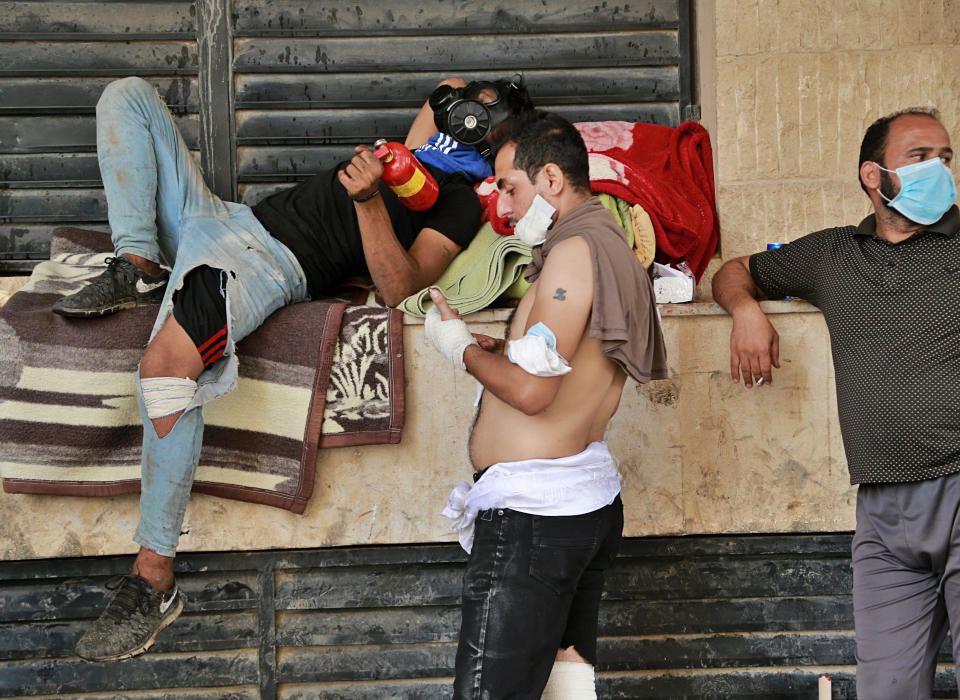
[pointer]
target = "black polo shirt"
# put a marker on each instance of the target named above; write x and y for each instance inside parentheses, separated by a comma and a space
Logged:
(893, 312)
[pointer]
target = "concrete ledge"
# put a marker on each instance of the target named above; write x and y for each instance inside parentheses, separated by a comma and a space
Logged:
(694, 308)
(699, 453)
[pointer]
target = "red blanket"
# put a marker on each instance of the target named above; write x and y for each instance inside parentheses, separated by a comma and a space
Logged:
(667, 171)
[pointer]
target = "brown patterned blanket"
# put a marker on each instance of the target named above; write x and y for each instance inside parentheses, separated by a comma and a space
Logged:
(316, 374)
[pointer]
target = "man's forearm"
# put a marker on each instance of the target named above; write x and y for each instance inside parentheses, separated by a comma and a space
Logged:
(393, 269)
(733, 286)
(508, 382)
(754, 344)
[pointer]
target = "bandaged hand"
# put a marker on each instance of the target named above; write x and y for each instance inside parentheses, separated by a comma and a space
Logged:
(448, 337)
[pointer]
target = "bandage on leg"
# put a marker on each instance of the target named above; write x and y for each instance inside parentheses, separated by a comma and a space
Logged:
(449, 338)
(164, 396)
(570, 680)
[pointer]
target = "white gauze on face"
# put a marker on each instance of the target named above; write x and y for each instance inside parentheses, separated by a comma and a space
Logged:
(533, 226)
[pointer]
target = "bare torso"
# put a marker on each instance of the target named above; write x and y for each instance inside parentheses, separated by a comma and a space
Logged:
(587, 399)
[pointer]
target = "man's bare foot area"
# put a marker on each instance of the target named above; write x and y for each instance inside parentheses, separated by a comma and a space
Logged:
(157, 569)
(149, 266)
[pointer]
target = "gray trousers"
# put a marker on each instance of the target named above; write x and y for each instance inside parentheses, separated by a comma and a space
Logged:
(906, 587)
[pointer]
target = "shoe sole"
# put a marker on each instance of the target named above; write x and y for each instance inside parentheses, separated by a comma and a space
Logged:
(177, 609)
(106, 311)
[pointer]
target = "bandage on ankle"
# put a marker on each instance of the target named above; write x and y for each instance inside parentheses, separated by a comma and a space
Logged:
(449, 338)
(570, 680)
(163, 396)
(536, 353)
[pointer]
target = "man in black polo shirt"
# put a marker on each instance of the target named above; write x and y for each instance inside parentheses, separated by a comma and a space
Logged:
(889, 290)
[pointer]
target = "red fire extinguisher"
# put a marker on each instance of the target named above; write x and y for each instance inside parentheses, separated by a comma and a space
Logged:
(405, 175)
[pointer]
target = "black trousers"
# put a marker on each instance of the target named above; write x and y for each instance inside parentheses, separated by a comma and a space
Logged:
(532, 586)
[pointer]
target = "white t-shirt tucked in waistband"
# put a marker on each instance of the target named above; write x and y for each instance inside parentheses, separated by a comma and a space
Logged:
(574, 485)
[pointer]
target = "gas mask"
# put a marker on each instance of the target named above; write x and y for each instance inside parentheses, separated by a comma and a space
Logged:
(461, 113)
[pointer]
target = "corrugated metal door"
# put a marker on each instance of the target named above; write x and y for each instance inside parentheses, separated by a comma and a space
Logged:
(682, 617)
(314, 79)
(271, 91)
(55, 59)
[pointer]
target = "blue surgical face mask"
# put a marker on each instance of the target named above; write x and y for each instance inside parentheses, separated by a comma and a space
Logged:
(926, 190)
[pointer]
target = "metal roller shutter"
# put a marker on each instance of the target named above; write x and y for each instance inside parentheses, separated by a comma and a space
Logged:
(271, 91)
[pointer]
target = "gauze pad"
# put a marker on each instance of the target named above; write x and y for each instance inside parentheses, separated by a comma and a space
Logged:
(449, 338)
(533, 226)
(536, 353)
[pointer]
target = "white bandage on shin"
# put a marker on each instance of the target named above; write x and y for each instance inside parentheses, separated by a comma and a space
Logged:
(570, 680)
(536, 353)
(163, 396)
(449, 338)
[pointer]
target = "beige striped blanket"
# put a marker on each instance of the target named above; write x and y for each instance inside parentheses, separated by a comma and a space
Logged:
(316, 374)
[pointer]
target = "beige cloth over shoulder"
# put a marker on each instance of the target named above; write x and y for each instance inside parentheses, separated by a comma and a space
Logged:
(624, 314)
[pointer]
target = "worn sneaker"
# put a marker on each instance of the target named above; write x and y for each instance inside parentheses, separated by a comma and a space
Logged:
(131, 621)
(121, 286)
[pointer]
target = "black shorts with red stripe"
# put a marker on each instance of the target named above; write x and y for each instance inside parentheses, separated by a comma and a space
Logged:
(200, 307)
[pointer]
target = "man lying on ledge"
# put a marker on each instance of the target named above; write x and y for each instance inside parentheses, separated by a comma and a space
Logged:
(543, 519)
(231, 267)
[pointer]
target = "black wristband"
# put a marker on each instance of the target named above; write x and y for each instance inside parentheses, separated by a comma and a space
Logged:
(367, 198)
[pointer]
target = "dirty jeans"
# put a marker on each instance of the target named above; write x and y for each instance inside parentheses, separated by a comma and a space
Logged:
(160, 208)
(532, 586)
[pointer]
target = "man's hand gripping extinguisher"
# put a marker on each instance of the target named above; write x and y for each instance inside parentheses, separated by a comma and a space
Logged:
(405, 175)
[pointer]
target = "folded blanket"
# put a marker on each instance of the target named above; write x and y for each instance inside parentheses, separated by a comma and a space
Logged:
(644, 236)
(621, 214)
(69, 423)
(489, 267)
(669, 172)
(636, 224)
(492, 265)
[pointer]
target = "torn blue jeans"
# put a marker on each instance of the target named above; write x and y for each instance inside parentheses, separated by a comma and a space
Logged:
(160, 208)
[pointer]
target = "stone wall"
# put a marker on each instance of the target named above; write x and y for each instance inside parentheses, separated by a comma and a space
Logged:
(698, 453)
(787, 89)
(795, 85)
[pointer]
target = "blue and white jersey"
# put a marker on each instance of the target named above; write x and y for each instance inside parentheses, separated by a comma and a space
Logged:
(446, 153)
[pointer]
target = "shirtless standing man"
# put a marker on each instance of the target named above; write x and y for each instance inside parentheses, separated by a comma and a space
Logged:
(544, 518)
